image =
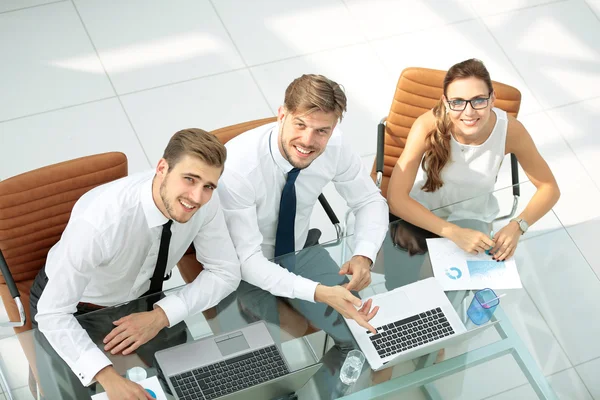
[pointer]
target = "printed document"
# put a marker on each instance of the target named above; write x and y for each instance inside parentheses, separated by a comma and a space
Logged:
(456, 269)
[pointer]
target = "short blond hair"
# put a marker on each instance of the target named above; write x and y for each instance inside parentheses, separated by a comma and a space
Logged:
(312, 92)
(196, 143)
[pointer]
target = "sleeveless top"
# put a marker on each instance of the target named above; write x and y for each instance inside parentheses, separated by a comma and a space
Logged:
(470, 172)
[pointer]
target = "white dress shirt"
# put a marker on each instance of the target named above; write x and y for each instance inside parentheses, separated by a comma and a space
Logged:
(107, 255)
(250, 190)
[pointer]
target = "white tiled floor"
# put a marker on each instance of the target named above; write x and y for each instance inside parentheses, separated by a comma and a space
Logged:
(589, 374)
(38, 41)
(487, 8)
(158, 113)
(584, 235)
(71, 132)
(567, 385)
(573, 122)
(8, 5)
(87, 76)
(272, 30)
(580, 195)
(13, 363)
(383, 18)
(554, 49)
(146, 44)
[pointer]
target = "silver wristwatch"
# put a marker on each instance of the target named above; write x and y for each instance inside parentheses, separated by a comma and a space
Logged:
(523, 225)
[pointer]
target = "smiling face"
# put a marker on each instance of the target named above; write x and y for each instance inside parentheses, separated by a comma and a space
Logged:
(181, 191)
(303, 138)
(470, 123)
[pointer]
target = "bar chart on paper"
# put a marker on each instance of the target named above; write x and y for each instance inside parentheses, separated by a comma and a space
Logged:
(456, 269)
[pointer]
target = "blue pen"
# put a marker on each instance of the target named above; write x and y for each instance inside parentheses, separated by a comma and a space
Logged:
(491, 237)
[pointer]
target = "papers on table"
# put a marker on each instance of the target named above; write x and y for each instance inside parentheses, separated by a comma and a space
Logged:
(456, 269)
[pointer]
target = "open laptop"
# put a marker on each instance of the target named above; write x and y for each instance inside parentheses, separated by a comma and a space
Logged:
(241, 364)
(412, 321)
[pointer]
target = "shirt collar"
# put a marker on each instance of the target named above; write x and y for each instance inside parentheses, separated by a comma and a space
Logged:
(283, 164)
(154, 216)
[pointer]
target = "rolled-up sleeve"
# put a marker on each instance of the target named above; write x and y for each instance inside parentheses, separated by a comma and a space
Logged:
(69, 268)
(221, 274)
(364, 198)
(239, 206)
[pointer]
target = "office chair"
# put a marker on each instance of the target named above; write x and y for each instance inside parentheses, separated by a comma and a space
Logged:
(34, 210)
(418, 90)
(189, 267)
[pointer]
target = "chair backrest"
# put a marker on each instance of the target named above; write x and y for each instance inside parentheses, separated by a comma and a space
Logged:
(418, 90)
(229, 132)
(34, 210)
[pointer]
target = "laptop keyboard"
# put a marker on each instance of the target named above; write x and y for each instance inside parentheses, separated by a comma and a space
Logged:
(231, 375)
(411, 332)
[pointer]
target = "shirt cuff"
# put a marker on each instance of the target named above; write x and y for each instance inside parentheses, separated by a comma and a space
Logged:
(89, 364)
(366, 249)
(174, 308)
(304, 289)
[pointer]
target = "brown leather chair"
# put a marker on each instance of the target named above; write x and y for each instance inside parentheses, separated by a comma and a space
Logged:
(418, 90)
(34, 210)
(189, 267)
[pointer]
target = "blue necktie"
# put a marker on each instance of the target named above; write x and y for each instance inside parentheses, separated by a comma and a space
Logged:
(284, 239)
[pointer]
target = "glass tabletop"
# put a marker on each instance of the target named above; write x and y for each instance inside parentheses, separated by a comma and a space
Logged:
(534, 314)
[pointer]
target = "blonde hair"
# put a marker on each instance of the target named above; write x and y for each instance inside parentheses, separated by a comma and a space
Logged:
(311, 93)
(196, 143)
(437, 141)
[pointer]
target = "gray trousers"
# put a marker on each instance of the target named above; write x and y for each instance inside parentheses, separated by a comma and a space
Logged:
(254, 303)
(56, 379)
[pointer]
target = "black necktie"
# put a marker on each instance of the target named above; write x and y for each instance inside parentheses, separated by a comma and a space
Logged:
(161, 262)
(284, 239)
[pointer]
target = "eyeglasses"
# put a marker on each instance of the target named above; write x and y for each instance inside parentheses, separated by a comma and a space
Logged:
(478, 103)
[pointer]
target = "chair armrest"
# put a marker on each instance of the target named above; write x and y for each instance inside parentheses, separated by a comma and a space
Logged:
(328, 210)
(332, 217)
(22, 316)
(514, 167)
(380, 151)
(14, 292)
(8, 278)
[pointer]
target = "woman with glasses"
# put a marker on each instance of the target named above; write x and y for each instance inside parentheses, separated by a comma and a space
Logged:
(460, 144)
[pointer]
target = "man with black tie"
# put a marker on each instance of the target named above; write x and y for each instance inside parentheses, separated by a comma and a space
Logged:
(121, 241)
(272, 180)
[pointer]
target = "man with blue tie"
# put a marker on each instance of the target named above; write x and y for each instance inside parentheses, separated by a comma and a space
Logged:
(272, 180)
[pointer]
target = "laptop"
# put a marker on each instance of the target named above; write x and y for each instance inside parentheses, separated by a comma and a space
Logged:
(241, 364)
(413, 320)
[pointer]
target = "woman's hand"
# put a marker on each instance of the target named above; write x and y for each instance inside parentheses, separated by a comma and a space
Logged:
(506, 240)
(471, 241)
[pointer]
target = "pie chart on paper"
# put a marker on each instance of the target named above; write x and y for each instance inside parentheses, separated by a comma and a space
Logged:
(454, 273)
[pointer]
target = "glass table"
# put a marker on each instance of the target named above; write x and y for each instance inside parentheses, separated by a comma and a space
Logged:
(501, 358)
